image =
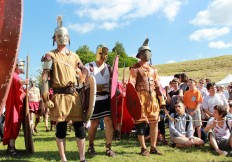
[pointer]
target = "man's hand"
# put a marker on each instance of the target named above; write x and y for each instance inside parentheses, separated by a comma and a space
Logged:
(47, 102)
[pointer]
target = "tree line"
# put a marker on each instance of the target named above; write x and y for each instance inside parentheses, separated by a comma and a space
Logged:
(88, 56)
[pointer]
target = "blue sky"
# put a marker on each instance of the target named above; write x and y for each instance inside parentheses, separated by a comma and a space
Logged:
(178, 29)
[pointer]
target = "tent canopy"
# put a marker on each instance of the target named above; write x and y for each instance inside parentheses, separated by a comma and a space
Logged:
(164, 80)
(226, 81)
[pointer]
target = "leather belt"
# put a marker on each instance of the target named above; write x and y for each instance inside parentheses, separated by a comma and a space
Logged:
(64, 90)
(103, 93)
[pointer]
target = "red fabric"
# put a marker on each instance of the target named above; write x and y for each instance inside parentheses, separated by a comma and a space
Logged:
(34, 107)
(14, 110)
(127, 121)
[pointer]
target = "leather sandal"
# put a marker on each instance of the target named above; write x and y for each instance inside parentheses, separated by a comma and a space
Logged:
(110, 153)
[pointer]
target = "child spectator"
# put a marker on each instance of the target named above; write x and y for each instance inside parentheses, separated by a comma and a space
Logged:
(219, 131)
(192, 101)
(181, 129)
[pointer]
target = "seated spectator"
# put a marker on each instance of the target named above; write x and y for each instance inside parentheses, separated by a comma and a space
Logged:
(219, 131)
(181, 129)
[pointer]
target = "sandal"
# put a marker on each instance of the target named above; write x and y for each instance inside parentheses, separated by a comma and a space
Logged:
(11, 151)
(84, 160)
(144, 152)
(154, 150)
(110, 153)
(91, 150)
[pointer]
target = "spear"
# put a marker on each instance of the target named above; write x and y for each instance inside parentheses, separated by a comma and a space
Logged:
(124, 87)
(28, 132)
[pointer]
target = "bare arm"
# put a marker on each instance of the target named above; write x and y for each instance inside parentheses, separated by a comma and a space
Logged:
(210, 126)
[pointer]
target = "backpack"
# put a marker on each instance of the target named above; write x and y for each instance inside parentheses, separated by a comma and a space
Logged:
(187, 120)
(227, 125)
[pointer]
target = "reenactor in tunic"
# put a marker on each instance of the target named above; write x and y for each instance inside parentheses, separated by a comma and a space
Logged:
(61, 68)
(34, 103)
(101, 71)
(145, 79)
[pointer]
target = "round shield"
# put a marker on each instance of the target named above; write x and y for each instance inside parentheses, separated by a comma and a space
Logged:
(133, 102)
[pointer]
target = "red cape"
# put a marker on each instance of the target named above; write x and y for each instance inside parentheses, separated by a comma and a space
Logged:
(14, 110)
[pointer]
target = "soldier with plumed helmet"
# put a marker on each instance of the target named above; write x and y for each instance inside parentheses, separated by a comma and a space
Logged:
(14, 108)
(145, 79)
(60, 69)
(101, 71)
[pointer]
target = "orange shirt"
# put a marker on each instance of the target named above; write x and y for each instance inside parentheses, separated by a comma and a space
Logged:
(192, 98)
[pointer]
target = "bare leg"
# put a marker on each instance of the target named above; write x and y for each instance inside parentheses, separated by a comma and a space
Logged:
(153, 133)
(61, 147)
(109, 129)
(142, 141)
(92, 130)
(81, 148)
(31, 120)
(12, 142)
(46, 122)
(214, 144)
(37, 120)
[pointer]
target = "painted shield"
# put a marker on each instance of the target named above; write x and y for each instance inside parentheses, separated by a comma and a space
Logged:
(124, 118)
(133, 103)
(10, 34)
(113, 93)
(88, 97)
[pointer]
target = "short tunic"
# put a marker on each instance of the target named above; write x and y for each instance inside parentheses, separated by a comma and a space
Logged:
(102, 105)
(67, 106)
(34, 98)
(150, 105)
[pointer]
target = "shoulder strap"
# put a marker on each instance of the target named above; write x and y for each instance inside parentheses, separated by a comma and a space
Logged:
(187, 122)
(109, 68)
(91, 68)
(227, 125)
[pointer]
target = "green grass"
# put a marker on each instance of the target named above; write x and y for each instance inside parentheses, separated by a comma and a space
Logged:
(128, 148)
(127, 151)
(215, 68)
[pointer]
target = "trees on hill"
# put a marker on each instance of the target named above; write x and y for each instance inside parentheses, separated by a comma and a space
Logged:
(87, 56)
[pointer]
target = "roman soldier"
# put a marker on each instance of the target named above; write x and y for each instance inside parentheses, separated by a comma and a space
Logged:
(145, 80)
(60, 69)
(14, 113)
(101, 71)
(34, 103)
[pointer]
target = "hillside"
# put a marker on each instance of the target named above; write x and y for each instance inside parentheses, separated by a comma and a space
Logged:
(214, 68)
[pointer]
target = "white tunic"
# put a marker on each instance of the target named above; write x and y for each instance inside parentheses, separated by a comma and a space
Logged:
(100, 79)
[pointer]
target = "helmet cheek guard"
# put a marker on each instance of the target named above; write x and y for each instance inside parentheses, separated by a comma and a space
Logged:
(21, 65)
(102, 53)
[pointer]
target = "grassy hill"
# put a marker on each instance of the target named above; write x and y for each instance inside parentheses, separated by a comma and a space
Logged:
(215, 68)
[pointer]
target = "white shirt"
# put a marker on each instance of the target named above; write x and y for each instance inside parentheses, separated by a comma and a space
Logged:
(221, 132)
(210, 101)
(100, 79)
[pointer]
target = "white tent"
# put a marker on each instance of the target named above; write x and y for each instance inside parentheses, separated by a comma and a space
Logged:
(226, 81)
(164, 80)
